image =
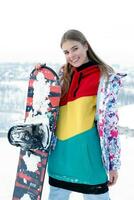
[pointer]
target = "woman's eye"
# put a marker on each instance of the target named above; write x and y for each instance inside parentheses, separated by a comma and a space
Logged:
(66, 52)
(75, 48)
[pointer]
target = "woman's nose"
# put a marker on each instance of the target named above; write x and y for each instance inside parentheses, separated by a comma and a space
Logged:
(71, 55)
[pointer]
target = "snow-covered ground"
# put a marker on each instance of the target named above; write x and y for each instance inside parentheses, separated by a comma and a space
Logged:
(123, 190)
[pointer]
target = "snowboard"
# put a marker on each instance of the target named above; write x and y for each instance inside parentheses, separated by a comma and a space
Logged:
(36, 136)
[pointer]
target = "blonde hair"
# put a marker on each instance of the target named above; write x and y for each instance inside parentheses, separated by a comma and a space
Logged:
(76, 35)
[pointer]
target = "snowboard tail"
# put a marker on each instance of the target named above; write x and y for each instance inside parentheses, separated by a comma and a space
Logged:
(29, 182)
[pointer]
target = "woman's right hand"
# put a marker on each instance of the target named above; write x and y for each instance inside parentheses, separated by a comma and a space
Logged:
(38, 66)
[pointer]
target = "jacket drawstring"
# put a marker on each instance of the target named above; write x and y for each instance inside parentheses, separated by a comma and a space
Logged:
(76, 89)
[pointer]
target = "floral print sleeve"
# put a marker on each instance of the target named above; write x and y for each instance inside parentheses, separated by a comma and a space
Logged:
(107, 120)
(112, 122)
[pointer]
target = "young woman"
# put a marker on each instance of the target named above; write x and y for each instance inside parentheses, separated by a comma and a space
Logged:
(86, 158)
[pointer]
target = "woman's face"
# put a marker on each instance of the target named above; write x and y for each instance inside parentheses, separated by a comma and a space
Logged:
(75, 52)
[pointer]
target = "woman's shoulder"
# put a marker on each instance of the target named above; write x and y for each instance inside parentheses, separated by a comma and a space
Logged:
(117, 78)
(114, 77)
(117, 75)
(113, 83)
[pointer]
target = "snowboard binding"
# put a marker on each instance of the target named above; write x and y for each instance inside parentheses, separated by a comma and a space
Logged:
(29, 136)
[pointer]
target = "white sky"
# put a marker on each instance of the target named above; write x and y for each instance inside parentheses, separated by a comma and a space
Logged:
(30, 30)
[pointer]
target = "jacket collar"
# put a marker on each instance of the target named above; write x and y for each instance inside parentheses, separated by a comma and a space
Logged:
(84, 66)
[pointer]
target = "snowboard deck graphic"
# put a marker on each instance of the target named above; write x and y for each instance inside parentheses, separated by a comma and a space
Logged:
(42, 105)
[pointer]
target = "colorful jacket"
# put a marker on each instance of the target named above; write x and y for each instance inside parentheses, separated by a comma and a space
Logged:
(107, 120)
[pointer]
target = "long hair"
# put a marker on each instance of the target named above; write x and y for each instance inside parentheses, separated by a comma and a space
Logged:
(76, 35)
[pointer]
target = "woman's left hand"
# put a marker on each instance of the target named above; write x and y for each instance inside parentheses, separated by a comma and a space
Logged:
(113, 176)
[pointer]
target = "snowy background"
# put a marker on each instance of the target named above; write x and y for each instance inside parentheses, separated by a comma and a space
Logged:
(13, 87)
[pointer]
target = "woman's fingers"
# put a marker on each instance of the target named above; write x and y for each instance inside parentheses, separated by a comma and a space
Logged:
(113, 176)
(38, 66)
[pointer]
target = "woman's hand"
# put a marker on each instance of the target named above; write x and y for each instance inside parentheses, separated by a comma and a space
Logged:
(38, 66)
(113, 176)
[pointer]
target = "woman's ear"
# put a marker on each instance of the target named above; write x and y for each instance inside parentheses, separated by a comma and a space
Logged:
(86, 46)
